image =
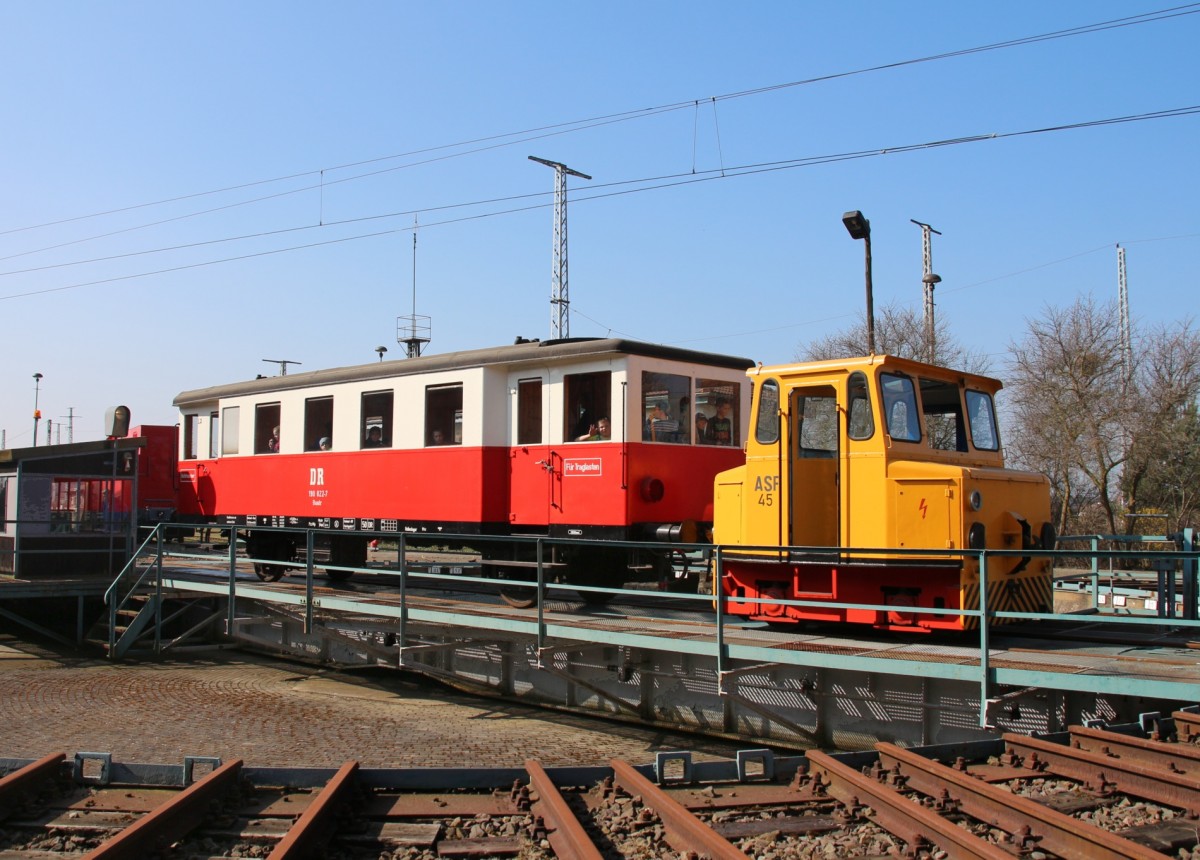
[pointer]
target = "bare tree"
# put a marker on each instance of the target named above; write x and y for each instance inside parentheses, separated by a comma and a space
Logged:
(899, 331)
(1163, 459)
(1101, 430)
(1067, 392)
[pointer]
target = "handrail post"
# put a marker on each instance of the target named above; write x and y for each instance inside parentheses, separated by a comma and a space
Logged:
(541, 603)
(158, 568)
(719, 593)
(232, 614)
(402, 560)
(308, 581)
(985, 670)
(1095, 573)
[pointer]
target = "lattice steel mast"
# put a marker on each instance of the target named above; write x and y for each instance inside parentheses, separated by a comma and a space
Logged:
(928, 278)
(560, 318)
(1123, 302)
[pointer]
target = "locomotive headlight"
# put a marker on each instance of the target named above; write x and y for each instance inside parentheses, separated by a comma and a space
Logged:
(976, 500)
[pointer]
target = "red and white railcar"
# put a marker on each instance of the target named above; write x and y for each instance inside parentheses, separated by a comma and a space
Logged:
(494, 441)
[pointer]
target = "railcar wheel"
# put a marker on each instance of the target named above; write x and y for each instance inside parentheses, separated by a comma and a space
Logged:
(269, 572)
(518, 596)
(597, 567)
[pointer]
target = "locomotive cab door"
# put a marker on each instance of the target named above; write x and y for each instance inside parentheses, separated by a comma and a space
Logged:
(813, 490)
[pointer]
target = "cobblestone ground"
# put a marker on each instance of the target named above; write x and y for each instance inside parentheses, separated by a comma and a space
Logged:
(274, 713)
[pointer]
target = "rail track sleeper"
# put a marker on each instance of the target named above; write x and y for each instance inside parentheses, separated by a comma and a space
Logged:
(566, 833)
(895, 813)
(1022, 818)
(17, 785)
(1104, 772)
(684, 827)
(171, 821)
(314, 828)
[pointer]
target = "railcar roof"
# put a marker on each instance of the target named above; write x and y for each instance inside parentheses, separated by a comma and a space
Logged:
(519, 353)
(865, 362)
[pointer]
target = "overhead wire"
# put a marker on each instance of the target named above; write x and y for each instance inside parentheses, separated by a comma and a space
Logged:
(643, 185)
(571, 126)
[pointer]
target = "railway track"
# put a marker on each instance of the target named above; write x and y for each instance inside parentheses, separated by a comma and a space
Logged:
(1089, 793)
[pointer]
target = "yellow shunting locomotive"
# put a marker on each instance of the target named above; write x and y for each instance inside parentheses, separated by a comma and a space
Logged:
(883, 454)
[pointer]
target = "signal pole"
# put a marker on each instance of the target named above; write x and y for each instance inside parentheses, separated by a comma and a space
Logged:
(928, 278)
(560, 319)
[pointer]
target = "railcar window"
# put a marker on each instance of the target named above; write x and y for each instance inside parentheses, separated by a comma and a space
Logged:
(266, 428)
(529, 412)
(719, 402)
(816, 426)
(229, 429)
(666, 407)
(587, 397)
(900, 408)
(191, 429)
(862, 419)
(318, 423)
(943, 415)
(214, 434)
(443, 414)
(982, 416)
(376, 415)
(766, 427)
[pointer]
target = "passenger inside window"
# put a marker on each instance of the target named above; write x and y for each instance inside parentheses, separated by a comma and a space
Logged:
(601, 431)
(720, 428)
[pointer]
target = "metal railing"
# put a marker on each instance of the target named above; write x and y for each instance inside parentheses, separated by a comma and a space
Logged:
(465, 561)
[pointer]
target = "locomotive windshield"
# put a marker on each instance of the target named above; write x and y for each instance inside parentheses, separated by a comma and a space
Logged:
(900, 408)
(983, 421)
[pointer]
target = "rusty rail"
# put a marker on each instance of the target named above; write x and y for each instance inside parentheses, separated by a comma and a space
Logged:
(1104, 773)
(170, 821)
(15, 786)
(314, 828)
(567, 835)
(1177, 758)
(684, 828)
(915, 824)
(1024, 819)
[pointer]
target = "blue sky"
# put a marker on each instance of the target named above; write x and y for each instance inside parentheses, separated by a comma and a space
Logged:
(247, 117)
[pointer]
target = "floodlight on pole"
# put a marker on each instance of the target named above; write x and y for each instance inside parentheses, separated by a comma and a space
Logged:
(37, 413)
(381, 350)
(860, 228)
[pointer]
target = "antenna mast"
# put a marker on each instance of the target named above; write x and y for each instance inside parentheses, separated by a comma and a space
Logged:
(560, 318)
(282, 362)
(928, 279)
(413, 330)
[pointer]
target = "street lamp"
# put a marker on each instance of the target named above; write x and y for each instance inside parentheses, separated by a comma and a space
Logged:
(37, 413)
(860, 228)
(381, 350)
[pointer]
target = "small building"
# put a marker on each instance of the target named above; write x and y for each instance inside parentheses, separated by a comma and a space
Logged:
(66, 510)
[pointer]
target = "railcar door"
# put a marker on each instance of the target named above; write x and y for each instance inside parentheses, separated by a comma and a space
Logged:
(813, 422)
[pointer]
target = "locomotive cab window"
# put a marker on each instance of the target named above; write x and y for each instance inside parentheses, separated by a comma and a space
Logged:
(318, 424)
(815, 413)
(266, 428)
(666, 407)
(376, 428)
(529, 412)
(587, 399)
(982, 416)
(900, 408)
(443, 414)
(766, 425)
(862, 419)
(943, 415)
